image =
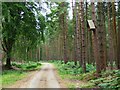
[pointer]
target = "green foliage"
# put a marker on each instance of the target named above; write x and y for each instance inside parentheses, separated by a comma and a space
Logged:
(88, 76)
(52, 23)
(22, 30)
(88, 85)
(74, 73)
(9, 77)
(90, 67)
(70, 68)
(108, 79)
(71, 86)
(41, 26)
(27, 66)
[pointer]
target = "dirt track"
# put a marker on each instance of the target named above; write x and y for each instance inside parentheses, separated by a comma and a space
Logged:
(45, 78)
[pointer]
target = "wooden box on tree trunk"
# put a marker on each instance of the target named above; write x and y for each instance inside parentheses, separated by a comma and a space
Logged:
(90, 25)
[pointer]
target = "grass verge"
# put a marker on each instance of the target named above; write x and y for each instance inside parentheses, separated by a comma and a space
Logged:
(9, 77)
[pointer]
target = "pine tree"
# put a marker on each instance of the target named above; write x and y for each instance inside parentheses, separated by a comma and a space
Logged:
(100, 29)
(118, 44)
(63, 22)
(95, 41)
(75, 32)
(111, 48)
(83, 37)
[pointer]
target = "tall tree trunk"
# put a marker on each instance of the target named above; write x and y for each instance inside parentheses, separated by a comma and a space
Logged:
(102, 61)
(63, 22)
(77, 30)
(30, 54)
(118, 47)
(118, 44)
(111, 48)
(8, 60)
(83, 37)
(75, 33)
(87, 36)
(91, 48)
(79, 36)
(104, 33)
(90, 39)
(114, 31)
(8, 48)
(94, 38)
(65, 38)
(41, 53)
(97, 33)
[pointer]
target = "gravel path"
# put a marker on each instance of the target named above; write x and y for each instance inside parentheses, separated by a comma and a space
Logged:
(45, 78)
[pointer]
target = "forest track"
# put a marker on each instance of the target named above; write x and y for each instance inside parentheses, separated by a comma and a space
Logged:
(44, 78)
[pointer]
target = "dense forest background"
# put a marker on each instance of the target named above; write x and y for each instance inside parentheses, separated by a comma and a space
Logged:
(81, 39)
(28, 35)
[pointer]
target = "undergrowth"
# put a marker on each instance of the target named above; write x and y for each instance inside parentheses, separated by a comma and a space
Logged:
(70, 68)
(27, 66)
(9, 77)
(110, 79)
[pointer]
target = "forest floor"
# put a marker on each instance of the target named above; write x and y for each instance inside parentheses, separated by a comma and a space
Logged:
(46, 77)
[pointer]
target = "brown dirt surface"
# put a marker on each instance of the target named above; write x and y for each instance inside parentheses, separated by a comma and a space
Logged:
(47, 77)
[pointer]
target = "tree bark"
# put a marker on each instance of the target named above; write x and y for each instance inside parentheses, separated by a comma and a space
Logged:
(118, 44)
(8, 60)
(111, 48)
(75, 33)
(102, 61)
(83, 38)
(114, 31)
(118, 53)
(63, 22)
